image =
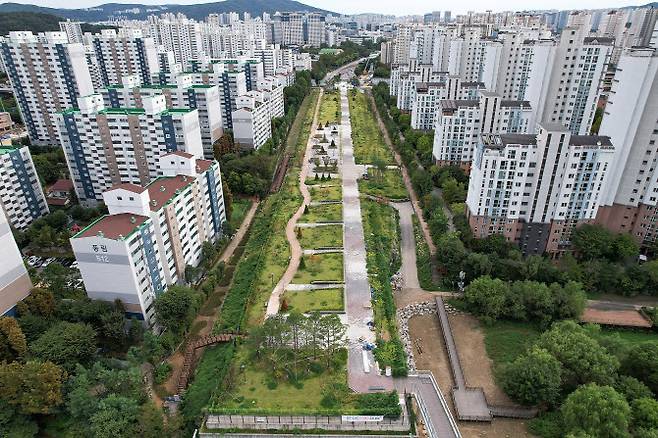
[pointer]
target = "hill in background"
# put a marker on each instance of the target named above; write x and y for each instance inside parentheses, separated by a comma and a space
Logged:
(138, 11)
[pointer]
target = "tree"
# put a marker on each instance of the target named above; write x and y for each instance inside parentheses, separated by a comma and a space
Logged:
(592, 242)
(40, 302)
(116, 417)
(596, 410)
(332, 334)
(174, 308)
(33, 387)
(641, 362)
(453, 191)
(533, 378)
(583, 359)
(645, 413)
(66, 344)
(631, 388)
(56, 277)
(228, 200)
(450, 254)
(12, 340)
(486, 296)
(151, 422)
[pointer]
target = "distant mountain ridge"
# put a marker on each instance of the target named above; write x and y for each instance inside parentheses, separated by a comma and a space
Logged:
(138, 11)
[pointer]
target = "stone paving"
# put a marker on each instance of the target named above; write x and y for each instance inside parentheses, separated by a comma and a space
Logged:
(357, 289)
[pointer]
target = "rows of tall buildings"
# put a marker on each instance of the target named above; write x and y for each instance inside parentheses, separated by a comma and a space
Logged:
(513, 99)
(137, 112)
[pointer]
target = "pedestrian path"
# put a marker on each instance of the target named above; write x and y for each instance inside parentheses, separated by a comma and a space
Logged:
(358, 307)
(274, 302)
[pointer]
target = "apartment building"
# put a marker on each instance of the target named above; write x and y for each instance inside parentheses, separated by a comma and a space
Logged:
(106, 146)
(47, 75)
(15, 283)
(181, 94)
(21, 196)
(251, 121)
(460, 124)
(297, 29)
(630, 119)
(120, 55)
(535, 189)
(152, 233)
(565, 82)
(73, 31)
(428, 95)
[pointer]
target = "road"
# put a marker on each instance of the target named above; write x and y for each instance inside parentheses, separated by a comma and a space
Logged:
(347, 68)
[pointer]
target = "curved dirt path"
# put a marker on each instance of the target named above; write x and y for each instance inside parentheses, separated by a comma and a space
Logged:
(176, 360)
(296, 251)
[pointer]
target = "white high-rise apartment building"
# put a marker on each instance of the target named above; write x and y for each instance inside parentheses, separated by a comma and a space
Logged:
(125, 54)
(151, 233)
(251, 121)
(460, 123)
(178, 35)
(181, 94)
(15, 282)
(565, 81)
(21, 196)
(535, 189)
(107, 146)
(630, 202)
(428, 95)
(47, 75)
(73, 31)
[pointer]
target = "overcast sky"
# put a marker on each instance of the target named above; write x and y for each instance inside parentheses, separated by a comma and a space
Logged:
(397, 7)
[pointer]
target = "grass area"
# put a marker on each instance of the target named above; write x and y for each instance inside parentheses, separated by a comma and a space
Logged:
(331, 191)
(330, 108)
(282, 205)
(255, 390)
(239, 209)
(316, 299)
(387, 185)
(326, 236)
(382, 233)
(423, 259)
(368, 141)
(506, 340)
(320, 267)
(323, 213)
(630, 337)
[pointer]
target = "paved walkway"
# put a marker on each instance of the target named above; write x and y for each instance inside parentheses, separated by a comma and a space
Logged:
(357, 289)
(409, 270)
(434, 409)
(295, 248)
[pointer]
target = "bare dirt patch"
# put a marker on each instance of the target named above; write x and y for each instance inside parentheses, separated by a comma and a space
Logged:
(426, 334)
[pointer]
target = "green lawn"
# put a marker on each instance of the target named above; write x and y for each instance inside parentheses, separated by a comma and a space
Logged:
(317, 299)
(328, 236)
(389, 185)
(320, 267)
(255, 390)
(239, 209)
(330, 108)
(281, 206)
(327, 192)
(630, 336)
(323, 213)
(506, 340)
(368, 141)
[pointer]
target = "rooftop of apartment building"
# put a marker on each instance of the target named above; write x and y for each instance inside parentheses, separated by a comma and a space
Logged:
(115, 227)
(8, 149)
(498, 141)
